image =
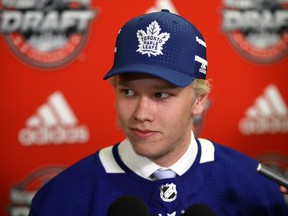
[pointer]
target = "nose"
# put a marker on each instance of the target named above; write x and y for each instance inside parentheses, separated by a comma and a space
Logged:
(144, 110)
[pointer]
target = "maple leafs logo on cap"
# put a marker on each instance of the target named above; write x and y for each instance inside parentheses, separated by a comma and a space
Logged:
(151, 42)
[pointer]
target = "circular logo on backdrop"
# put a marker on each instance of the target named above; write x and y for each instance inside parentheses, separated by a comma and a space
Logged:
(23, 192)
(45, 33)
(258, 29)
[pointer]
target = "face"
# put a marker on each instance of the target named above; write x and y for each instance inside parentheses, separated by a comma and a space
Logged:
(155, 115)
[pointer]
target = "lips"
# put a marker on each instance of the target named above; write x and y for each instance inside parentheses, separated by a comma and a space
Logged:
(142, 133)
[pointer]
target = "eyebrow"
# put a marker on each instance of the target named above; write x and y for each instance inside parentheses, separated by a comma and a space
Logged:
(164, 85)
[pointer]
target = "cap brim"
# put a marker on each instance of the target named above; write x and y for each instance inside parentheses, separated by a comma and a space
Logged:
(174, 77)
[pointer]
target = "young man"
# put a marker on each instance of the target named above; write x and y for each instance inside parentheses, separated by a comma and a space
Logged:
(159, 77)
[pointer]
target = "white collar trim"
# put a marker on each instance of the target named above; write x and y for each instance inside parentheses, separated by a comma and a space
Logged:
(144, 167)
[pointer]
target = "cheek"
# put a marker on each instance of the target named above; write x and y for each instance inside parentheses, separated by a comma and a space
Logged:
(124, 110)
(180, 118)
(181, 110)
(173, 118)
(121, 116)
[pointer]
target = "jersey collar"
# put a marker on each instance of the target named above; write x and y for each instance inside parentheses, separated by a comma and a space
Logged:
(144, 167)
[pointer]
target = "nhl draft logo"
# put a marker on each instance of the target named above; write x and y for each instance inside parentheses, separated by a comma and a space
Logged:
(168, 192)
(258, 30)
(151, 42)
(45, 33)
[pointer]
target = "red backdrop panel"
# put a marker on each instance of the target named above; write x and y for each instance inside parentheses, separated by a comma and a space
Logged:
(53, 114)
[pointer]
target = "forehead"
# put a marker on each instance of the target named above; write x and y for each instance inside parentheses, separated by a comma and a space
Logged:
(131, 77)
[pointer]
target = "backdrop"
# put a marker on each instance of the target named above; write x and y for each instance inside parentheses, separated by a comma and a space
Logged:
(56, 109)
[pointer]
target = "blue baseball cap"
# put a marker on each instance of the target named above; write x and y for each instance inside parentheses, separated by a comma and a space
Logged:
(161, 44)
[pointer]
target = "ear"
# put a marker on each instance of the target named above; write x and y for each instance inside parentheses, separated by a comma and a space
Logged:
(199, 104)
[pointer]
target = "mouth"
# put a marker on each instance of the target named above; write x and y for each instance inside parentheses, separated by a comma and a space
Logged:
(142, 133)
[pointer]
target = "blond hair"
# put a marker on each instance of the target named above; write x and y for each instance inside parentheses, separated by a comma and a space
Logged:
(201, 86)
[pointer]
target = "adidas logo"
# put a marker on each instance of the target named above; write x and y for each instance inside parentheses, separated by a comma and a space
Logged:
(203, 69)
(160, 4)
(54, 123)
(269, 114)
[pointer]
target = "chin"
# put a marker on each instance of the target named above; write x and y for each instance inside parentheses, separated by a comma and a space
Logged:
(142, 149)
(145, 151)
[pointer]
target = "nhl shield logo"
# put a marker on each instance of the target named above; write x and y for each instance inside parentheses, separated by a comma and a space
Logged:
(168, 192)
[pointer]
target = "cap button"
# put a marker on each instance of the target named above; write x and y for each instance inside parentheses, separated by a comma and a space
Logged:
(165, 10)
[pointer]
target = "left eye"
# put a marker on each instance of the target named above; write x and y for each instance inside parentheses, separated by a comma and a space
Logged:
(129, 92)
(161, 95)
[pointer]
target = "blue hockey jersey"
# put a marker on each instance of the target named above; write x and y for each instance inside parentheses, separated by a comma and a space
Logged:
(220, 177)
